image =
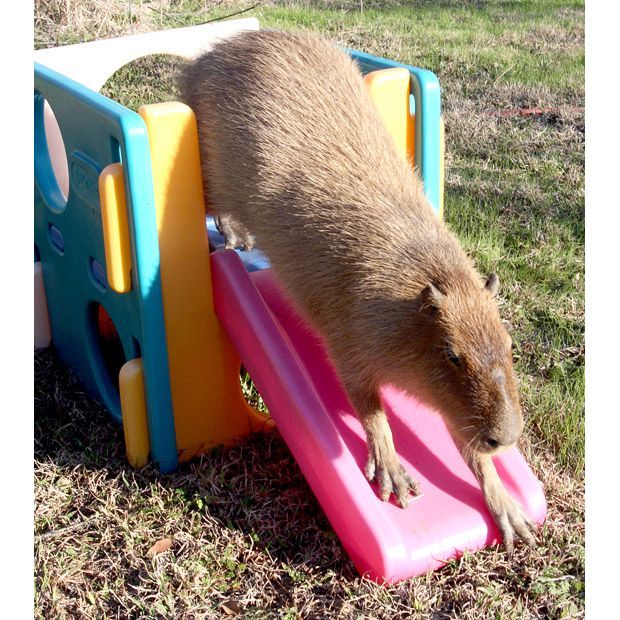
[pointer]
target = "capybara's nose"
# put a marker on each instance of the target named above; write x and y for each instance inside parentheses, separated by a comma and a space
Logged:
(492, 443)
(502, 439)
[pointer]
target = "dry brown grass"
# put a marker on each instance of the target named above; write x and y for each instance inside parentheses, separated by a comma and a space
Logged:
(62, 21)
(58, 22)
(246, 528)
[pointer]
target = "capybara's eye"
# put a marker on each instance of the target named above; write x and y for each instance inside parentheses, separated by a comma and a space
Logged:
(453, 357)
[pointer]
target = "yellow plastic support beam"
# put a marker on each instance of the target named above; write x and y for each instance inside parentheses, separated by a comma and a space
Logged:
(209, 408)
(389, 89)
(115, 228)
(133, 408)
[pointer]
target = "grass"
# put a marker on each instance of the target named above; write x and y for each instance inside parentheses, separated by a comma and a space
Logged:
(246, 530)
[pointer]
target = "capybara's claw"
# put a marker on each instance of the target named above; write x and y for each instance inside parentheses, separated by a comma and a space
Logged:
(390, 480)
(516, 523)
(511, 520)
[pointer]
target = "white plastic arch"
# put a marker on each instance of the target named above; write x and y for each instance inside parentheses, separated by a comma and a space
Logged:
(94, 62)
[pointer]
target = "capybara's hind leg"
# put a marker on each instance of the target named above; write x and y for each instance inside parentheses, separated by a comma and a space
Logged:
(383, 464)
(236, 235)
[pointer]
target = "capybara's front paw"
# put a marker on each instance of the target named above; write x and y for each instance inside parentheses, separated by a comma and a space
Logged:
(510, 519)
(391, 478)
(383, 464)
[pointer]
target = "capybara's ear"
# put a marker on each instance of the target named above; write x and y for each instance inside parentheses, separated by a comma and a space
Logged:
(492, 284)
(431, 299)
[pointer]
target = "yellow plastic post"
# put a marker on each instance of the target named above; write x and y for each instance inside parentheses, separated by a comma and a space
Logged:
(389, 89)
(209, 408)
(115, 228)
(133, 407)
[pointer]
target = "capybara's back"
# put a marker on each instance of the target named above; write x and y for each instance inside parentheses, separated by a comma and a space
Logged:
(294, 151)
(293, 147)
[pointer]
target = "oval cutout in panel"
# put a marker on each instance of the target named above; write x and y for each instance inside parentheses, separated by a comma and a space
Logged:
(97, 274)
(56, 239)
(51, 170)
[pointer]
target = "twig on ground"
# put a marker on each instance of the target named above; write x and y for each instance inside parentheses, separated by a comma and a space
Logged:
(64, 530)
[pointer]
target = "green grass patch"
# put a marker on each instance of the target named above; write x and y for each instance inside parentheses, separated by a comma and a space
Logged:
(144, 81)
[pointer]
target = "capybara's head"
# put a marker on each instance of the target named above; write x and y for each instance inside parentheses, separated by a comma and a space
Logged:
(463, 364)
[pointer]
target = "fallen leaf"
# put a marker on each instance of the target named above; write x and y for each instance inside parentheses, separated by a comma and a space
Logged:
(231, 607)
(159, 547)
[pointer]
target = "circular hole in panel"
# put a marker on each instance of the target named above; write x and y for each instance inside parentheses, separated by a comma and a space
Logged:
(110, 345)
(50, 157)
(251, 394)
(150, 79)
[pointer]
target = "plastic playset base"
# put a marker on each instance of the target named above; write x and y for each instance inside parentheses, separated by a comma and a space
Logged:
(125, 263)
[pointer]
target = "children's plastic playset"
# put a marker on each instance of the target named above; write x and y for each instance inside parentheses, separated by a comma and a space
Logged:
(136, 295)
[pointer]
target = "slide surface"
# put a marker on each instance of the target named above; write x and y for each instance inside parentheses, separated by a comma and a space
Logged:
(289, 366)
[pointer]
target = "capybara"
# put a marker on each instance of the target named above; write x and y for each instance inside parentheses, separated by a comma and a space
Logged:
(296, 159)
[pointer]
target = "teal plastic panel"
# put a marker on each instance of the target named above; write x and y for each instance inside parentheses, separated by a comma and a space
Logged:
(69, 242)
(427, 96)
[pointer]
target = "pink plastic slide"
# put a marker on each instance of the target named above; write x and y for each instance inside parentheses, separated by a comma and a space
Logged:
(290, 368)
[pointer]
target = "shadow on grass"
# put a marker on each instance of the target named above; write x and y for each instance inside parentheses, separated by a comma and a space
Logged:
(255, 488)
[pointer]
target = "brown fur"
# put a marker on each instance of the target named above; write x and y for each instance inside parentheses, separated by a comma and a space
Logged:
(294, 150)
